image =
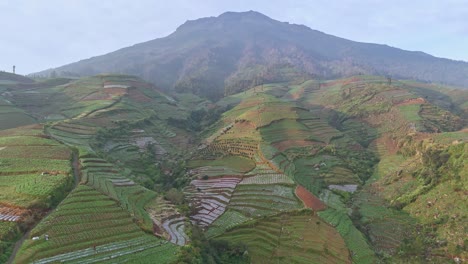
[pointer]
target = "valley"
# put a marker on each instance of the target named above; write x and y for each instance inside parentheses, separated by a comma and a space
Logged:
(110, 168)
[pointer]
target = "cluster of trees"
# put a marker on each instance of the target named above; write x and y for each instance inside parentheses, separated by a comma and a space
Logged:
(205, 251)
(198, 119)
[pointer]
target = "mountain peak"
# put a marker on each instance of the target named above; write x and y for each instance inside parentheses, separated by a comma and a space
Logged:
(246, 14)
(228, 19)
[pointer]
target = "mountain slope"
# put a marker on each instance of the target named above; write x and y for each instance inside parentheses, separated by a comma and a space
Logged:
(10, 78)
(235, 51)
(360, 169)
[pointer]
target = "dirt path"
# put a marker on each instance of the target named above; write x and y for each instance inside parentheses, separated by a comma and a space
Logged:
(76, 175)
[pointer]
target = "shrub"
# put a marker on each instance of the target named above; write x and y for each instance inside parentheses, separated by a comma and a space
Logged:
(175, 196)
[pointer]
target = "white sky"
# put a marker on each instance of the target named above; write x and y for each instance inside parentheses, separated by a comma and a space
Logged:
(41, 34)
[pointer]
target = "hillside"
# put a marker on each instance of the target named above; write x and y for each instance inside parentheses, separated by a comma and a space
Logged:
(235, 51)
(353, 170)
(9, 78)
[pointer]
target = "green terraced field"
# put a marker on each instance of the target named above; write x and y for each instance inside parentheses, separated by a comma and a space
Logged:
(236, 163)
(301, 238)
(34, 170)
(88, 219)
(258, 200)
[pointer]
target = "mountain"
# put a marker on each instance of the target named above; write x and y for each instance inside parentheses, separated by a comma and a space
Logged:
(234, 51)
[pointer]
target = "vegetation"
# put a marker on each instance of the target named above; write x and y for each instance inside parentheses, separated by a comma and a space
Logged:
(379, 165)
(290, 238)
(90, 224)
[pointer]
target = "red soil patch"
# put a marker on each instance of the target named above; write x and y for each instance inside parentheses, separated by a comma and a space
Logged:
(309, 200)
(138, 96)
(390, 144)
(116, 91)
(244, 125)
(157, 230)
(297, 94)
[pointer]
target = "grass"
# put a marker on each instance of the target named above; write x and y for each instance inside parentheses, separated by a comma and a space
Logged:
(9, 232)
(411, 112)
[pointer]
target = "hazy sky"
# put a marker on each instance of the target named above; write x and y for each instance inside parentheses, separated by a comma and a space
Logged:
(40, 34)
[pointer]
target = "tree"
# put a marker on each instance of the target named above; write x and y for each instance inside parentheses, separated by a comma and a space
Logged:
(175, 196)
(53, 74)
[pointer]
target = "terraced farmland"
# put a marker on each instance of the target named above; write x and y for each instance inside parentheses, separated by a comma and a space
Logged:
(236, 147)
(11, 116)
(274, 178)
(89, 227)
(301, 238)
(257, 200)
(33, 169)
(73, 133)
(344, 149)
(210, 198)
(105, 178)
(168, 222)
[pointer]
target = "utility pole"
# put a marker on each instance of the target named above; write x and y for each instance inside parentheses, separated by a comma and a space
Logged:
(14, 68)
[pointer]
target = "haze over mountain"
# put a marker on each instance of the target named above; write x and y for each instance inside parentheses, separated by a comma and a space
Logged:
(234, 51)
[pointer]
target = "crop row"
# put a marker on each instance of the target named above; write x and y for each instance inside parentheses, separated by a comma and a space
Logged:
(291, 239)
(43, 152)
(34, 170)
(257, 200)
(175, 227)
(210, 198)
(76, 226)
(225, 222)
(267, 179)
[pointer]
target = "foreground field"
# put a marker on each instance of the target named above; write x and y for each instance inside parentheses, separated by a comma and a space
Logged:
(89, 227)
(35, 175)
(290, 238)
